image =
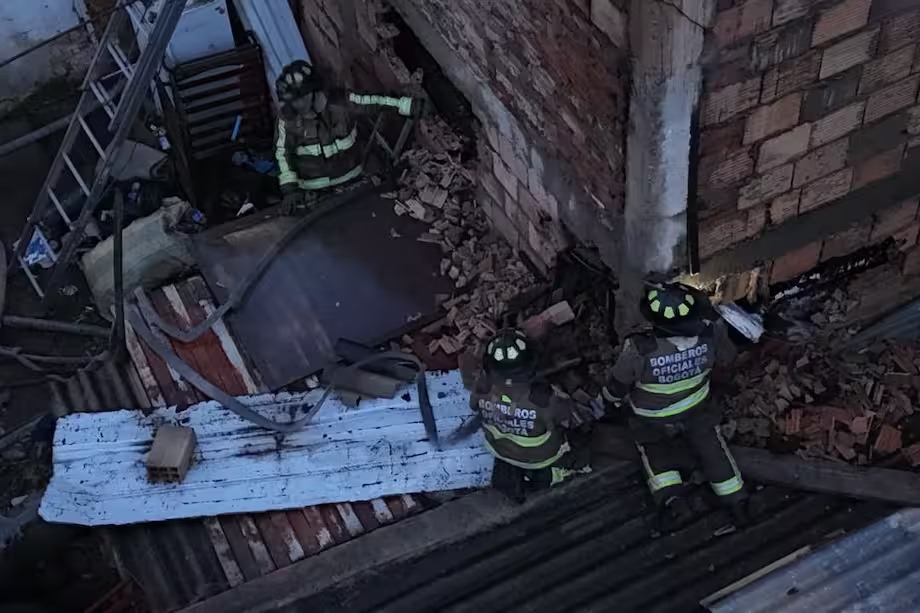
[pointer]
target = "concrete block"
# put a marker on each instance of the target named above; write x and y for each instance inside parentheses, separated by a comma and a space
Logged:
(781, 44)
(785, 11)
(821, 162)
(611, 21)
(837, 124)
(879, 137)
(913, 121)
(766, 187)
(727, 102)
(825, 190)
(894, 218)
(791, 76)
(171, 454)
(830, 95)
(772, 118)
(855, 50)
(845, 242)
(795, 262)
(886, 69)
(904, 29)
(716, 171)
(784, 207)
(892, 99)
(783, 148)
(841, 19)
(504, 175)
(878, 167)
(748, 18)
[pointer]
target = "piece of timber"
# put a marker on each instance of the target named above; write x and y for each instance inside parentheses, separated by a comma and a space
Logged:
(863, 482)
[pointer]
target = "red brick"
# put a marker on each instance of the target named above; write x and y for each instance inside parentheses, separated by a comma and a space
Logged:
(913, 121)
(846, 17)
(911, 266)
(888, 440)
(780, 44)
(892, 99)
(845, 242)
(886, 69)
(717, 139)
(791, 76)
(746, 19)
(490, 184)
(837, 124)
(726, 229)
(784, 207)
(504, 176)
(821, 162)
(878, 167)
(765, 187)
(514, 158)
(783, 148)
(831, 94)
(611, 20)
(734, 168)
(848, 53)
(725, 103)
(795, 263)
(906, 238)
(789, 10)
(825, 190)
(894, 218)
(772, 118)
(900, 30)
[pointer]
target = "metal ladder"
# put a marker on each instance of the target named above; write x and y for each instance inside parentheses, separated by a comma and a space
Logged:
(119, 87)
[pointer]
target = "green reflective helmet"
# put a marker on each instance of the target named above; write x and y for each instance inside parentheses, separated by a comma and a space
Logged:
(509, 351)
(669, 303)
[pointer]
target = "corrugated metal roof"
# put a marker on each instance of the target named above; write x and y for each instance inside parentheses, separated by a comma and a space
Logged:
(903, 324)
(875, 569)
(185, 561)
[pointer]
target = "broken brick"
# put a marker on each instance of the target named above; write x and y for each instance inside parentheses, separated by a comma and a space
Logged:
(888, 439)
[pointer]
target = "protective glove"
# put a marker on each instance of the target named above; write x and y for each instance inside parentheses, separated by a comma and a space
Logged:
(293, 202)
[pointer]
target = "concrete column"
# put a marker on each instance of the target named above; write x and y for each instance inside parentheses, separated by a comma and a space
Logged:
(666, 38)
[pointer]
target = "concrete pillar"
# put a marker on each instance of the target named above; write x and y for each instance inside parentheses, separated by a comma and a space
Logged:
(666, 39)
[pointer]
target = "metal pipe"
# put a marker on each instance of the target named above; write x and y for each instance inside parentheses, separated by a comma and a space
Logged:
(51, 325)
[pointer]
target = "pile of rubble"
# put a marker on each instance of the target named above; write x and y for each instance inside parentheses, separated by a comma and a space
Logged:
(437, 188)
(820, 398)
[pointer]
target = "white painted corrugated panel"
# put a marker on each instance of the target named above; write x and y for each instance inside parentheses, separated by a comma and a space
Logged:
(378, 449)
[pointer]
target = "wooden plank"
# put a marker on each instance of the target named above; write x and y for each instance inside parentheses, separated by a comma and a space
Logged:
(365, 513)
(350, 520)
(302, 529)
(382, 510)
(254, 540)
(318, 526)
(272, 539)
(224, 553)
(334, 523)
(230, 524)
(286, 531)
(143, 367)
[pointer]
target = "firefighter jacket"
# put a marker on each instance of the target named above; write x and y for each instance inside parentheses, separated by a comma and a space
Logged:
(664, 377)
(325, 150)
(522, 422)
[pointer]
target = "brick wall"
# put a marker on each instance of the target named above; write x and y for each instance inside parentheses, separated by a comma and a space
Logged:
(545, 79)
(810, 106)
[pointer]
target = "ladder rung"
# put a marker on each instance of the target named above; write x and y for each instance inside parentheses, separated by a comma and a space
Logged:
(60, 208)
(103, 97)
(123, 64)
(32, 278)
(76, 175)
(91, 137)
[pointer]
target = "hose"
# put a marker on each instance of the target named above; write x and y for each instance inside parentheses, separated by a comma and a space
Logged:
(161, 349)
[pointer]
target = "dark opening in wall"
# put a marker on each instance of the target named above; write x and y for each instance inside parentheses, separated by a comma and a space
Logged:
(452, 105)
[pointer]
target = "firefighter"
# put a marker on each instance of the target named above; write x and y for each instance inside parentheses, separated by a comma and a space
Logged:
(318, 141)
(663, 376)
(522, 417)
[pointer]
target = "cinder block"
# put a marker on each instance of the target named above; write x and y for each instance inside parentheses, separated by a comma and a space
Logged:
(773, 118)
(742, 21)
(879, 137)
(837, 124)
(831, 94)
(504, 175)
(900, 30)
(766, 187)
(821, 162)
(781, 44)
(894, 218)
(718, 172)
(845, 242)
(791, 76)
(886, 69)
(892, 99)
(878, 167)
(171, 454)
(725, 103)
(784, 148)
(784, 207)
(785, 11)
(825, 190)
(848, 53)
(846, 17)
(795, 262)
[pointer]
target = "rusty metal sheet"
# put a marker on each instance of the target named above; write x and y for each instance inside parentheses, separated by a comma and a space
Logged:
(359, 273)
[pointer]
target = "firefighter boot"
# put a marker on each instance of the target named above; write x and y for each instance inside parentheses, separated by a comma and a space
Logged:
(671, 515)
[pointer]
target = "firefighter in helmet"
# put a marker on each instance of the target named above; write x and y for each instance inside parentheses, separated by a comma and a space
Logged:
(663, 377)
(318, 141)
(522, 417)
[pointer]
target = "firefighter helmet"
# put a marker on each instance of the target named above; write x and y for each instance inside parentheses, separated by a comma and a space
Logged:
(298, 79)
(670, 303)
(509, 351)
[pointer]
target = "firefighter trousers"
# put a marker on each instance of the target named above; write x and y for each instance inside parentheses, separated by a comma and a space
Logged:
(669, 452)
